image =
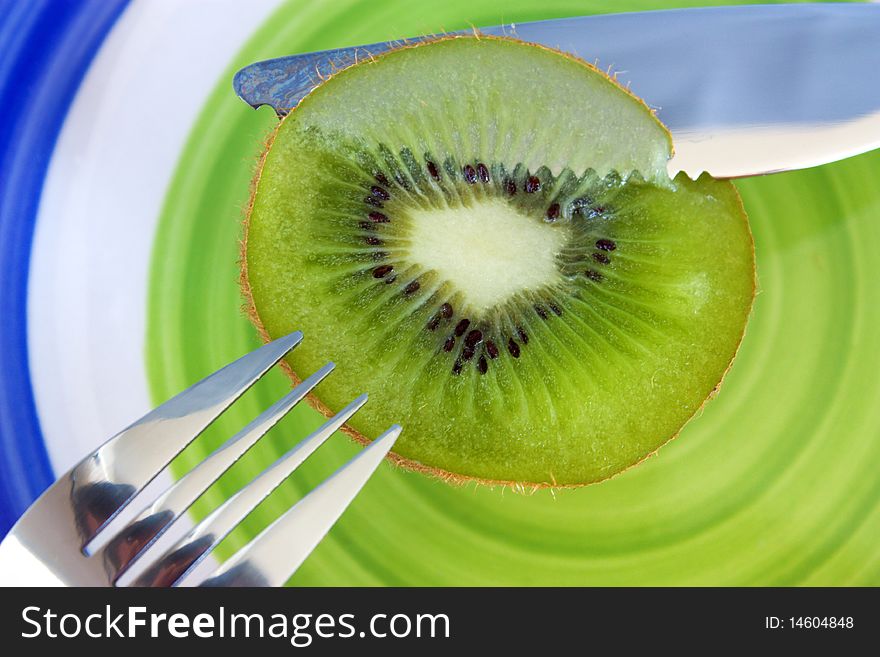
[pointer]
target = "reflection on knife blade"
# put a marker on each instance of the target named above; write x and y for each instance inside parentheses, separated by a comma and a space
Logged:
(744, 90)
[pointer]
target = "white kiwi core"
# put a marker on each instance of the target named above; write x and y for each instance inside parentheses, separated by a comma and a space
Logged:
(489, 252)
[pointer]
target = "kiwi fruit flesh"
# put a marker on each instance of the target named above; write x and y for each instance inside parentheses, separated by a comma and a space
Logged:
(481, 234)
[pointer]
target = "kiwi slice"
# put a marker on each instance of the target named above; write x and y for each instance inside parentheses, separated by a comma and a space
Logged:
(481, 234)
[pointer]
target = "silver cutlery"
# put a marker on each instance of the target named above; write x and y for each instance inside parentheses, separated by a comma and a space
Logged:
(744, 90)
(56, 541)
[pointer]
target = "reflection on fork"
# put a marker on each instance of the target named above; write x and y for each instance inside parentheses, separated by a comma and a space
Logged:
(53, 543)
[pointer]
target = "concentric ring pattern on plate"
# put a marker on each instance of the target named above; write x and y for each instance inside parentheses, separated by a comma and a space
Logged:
(775, 483)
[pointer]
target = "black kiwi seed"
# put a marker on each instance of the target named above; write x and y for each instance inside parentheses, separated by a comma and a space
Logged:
(470, 174)
(605, 245)
(556, 310)
(601, 258)
(491, 349)
(513, 348)
(432, 169)
(473, 338)
(381, 179)
(449, 344)
(382, 271)
(366, 225)
(446, 310)
(593, 275)
(380, 193)
(482, 365)
(483, 172)
(433, 323)
(510, 187)
(533, 184)
(462, 326)
(553, 212)
(522, 335)
(373, 241)
(456, 369)
(378, 218)
(376, 203)
(412, 288)
(467, 353)
(541, 312)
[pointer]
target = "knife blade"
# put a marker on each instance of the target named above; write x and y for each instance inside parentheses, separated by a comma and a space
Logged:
(744, 90)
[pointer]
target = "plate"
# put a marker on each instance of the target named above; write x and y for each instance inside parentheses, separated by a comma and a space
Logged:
(126, 160)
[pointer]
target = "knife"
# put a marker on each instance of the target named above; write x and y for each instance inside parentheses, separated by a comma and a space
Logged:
(744, 90)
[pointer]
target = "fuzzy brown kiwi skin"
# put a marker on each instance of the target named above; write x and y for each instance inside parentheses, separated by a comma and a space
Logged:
(250, 309)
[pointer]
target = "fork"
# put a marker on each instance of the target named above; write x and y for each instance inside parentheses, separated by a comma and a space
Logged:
(76, 533)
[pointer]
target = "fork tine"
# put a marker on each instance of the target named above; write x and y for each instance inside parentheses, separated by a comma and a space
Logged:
(121, 467)
(177, 562)
(275, 554)
(139, 534)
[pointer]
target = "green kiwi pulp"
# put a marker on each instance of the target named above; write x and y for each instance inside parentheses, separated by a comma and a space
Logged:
(482, 235)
